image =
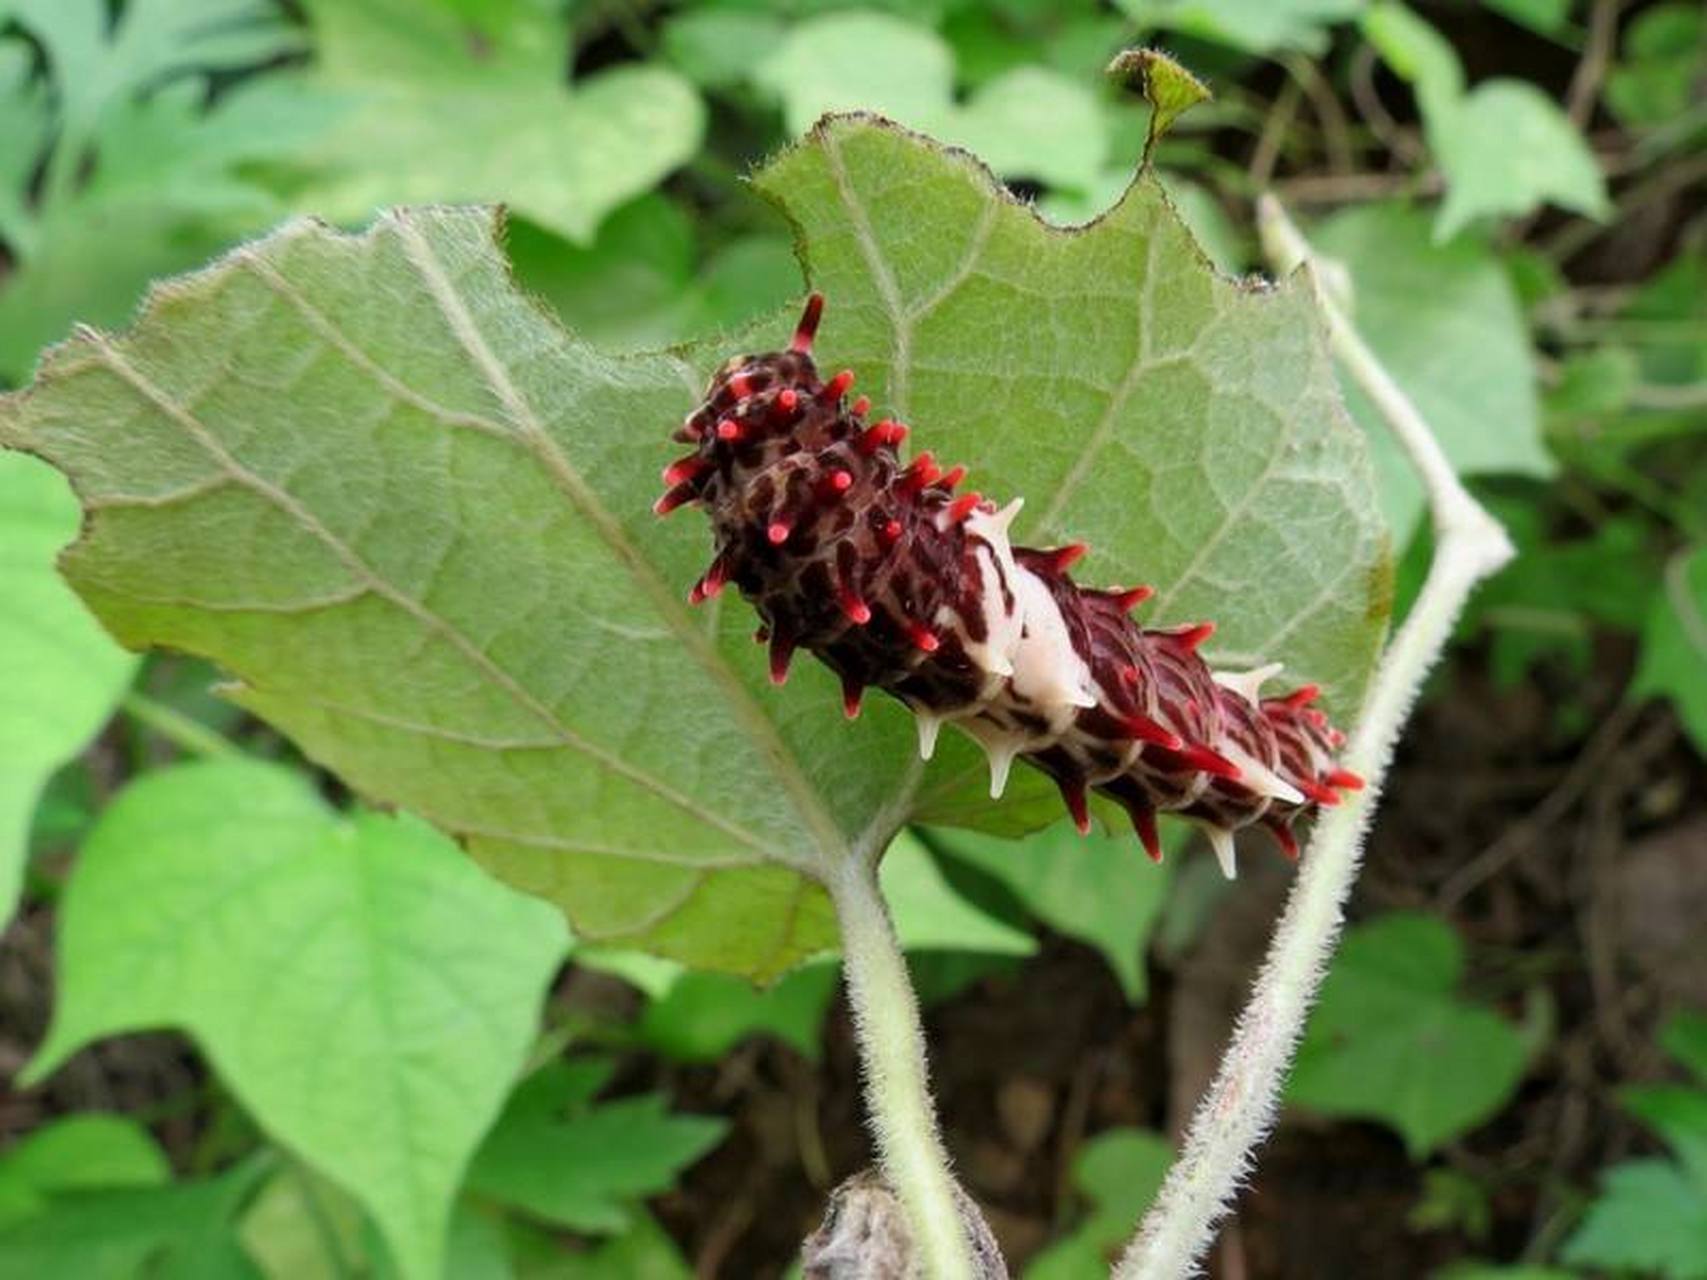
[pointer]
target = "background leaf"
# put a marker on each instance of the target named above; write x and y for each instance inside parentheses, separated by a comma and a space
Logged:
(466, 103)
(1674, 643)
(1120, 1172)
(1445, 322)
(1099, 889)
(78, 1152)
(59, 673)
(578, 1164)
(1389, 1039)
(365, 992)
(1506, 150)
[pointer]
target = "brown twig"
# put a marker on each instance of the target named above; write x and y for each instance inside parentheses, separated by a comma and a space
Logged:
(1366, 97)
(1275, 127)
(1591, 67)
(1330, 115)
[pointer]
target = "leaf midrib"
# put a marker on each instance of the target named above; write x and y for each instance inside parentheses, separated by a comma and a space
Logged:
(761, 730)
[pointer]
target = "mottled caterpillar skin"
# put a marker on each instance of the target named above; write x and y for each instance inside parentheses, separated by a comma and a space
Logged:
(893, 581)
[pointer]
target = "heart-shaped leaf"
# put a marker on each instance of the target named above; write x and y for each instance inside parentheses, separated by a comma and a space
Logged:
(413, 517)
(365, 993)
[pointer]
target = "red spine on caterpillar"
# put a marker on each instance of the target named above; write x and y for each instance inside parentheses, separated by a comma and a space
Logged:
(894, 582)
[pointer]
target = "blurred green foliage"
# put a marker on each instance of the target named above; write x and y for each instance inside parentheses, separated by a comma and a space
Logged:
(145, 136)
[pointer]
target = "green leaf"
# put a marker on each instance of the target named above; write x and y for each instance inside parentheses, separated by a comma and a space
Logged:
(1167, 86)
(60, 675)
(1256, 26)
(1665, 50)
(1031, 122)
(859, 60)
(1684, 1036)
(455, 102)
(643, 1252)
(1506, 150)
(1100, 889)
(1649, 1218)
(1419, 54)
(580, 1166)
(1120, 1172)
(1445, 322)
(931, 916)
(99, 65)
(1034, 123)
(1678, 1114)
(133, 186)
(1473, 1270)
(364, 992)
(1559, 591)
(715, 47)
(526, 673)
(1140, 419)
(182, 1231)
(78, 1152)
(1504, 147)
(1549, 17)
(302, 1227)
(1674, 644)
(626, 289)
(1389, 1039)
(701, 1016)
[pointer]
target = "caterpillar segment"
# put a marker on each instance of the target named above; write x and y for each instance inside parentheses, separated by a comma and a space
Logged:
(895, 581)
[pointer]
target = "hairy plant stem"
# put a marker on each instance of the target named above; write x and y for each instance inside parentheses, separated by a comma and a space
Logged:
(1241, 1103)
(892, 1056)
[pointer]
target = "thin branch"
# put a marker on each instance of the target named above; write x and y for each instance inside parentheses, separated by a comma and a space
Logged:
(892, 1056)
(189, 735)
(1325, 103)
(1597, 57)
(1242, 1102)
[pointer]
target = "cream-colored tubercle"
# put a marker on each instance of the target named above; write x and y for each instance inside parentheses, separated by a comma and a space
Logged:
(1247, 684)
(1026, 647)
(1221, 840)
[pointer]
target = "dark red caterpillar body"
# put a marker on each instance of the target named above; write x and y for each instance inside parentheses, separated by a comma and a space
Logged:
(895, 582)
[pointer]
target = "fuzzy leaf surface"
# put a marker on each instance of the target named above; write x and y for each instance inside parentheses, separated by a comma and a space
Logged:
(367, 476)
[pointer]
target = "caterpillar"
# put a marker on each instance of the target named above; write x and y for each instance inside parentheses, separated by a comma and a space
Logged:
(896, 582)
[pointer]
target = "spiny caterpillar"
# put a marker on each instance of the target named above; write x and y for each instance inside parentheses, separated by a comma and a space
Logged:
(893, 581)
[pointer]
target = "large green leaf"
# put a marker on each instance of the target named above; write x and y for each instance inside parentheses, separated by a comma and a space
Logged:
(1390, 1038)
(1446, 324)
(364, 474)
(463, 102)
(59, 675)
(1186, 427)
(366, 993)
